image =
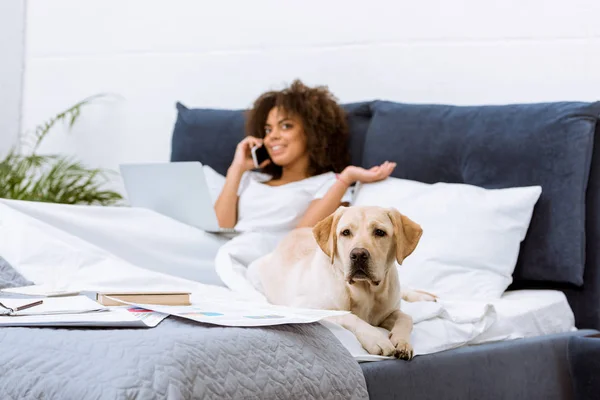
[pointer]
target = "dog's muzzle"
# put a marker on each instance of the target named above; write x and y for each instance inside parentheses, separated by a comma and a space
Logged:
(359, 265)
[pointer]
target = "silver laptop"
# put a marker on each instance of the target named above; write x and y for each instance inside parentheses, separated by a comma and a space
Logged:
(176, 189)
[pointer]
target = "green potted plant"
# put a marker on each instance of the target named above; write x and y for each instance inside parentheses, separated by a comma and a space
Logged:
(27, 175)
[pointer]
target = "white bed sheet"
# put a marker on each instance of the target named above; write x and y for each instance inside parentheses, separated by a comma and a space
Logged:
(105, 248)
(448, 323)
(516, 315)
(529, 313)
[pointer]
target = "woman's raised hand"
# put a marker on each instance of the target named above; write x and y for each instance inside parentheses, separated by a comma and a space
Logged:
(242, 160)
(353, 174)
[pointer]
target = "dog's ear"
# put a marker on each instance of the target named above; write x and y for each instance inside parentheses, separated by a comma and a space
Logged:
(324, 233)
(407, 234)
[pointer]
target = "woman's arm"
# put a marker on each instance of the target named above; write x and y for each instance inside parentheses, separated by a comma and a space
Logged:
(321, 208)
(226, 205)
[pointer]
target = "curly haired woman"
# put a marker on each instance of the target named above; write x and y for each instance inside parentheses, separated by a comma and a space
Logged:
(307, 174)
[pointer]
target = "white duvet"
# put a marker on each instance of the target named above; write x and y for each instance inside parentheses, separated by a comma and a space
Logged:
(72, 248)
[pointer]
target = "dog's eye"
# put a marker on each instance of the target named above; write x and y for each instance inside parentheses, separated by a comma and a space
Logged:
(379, 232)
(346, 232)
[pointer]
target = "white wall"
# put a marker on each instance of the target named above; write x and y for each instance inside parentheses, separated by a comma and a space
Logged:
(12, 30)
(223, 54)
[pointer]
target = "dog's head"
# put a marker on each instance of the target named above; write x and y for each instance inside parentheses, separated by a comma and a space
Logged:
(367, 240)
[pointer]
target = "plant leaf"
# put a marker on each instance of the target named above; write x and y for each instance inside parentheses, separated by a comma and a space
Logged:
(54, 178)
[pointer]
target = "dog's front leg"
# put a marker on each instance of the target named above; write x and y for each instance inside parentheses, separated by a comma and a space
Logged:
(372, 339)
(400, 326)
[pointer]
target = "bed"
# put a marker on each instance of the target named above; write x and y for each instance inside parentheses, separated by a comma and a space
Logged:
(553, 145)
(515, 348)
(163, 361)
(167, 358)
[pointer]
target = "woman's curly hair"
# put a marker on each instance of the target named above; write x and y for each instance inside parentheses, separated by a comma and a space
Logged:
(323, 120)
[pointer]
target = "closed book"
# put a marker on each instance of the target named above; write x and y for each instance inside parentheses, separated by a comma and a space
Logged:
(158, 298)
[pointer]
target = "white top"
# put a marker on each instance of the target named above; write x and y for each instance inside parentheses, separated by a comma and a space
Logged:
(278, 208)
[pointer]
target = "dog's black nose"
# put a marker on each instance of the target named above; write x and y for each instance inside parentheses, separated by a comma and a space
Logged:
(359, 254)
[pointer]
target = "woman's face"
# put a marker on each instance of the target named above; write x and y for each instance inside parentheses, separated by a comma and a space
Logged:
(285, 139)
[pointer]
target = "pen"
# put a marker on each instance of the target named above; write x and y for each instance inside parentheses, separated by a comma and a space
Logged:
(26, 306)
(23, 307)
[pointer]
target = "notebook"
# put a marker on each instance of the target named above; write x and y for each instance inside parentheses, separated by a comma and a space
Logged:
(159, 298)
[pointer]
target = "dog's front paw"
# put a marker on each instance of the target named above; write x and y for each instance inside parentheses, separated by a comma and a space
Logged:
(426, 296)
(414, 296)
(377, 343)
(402, 348)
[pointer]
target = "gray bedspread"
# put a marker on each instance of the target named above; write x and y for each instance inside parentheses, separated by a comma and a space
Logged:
(179, 359)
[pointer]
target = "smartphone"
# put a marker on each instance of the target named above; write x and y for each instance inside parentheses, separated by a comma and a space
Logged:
(259, 155)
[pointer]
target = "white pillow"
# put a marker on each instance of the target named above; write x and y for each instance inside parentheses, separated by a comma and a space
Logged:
(471, 236)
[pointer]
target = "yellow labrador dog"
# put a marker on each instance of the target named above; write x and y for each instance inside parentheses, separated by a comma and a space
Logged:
(346, 262)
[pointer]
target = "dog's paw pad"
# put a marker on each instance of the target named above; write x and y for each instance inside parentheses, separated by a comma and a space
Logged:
(402, 349)
(404, 354)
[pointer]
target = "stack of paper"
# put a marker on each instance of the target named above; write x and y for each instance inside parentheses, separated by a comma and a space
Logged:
(79, 311)
(49, 306)
(83, 311)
